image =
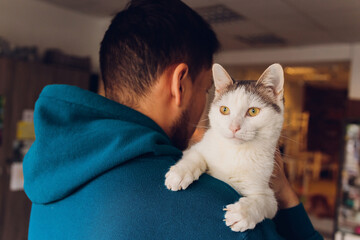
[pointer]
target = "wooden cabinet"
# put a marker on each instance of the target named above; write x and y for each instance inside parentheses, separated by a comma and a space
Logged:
(21, 83)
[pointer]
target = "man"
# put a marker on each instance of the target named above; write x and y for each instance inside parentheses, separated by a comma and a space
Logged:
(97, 167)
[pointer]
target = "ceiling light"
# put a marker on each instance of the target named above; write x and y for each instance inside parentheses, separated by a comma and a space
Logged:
(219, 14)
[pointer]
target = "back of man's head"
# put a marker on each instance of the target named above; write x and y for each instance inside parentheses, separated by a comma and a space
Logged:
(147, 37)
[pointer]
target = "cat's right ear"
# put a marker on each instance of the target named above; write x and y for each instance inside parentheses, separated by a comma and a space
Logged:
(221, 79)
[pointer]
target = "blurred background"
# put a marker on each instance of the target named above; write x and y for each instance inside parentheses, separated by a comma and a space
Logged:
(316, 41)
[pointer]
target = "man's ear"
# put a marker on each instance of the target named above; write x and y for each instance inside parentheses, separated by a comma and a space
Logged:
(178, 82)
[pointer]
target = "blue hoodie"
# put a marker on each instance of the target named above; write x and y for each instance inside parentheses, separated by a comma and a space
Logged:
(96, 171)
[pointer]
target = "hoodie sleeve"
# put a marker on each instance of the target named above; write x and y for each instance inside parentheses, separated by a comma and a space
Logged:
(294, 223)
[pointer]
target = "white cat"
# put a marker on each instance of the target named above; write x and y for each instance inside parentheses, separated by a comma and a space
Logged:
(246, 119)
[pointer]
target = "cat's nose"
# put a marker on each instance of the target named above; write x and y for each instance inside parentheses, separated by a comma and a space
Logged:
(234, 129)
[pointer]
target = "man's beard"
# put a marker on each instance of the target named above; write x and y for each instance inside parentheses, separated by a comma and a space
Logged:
(180, 134)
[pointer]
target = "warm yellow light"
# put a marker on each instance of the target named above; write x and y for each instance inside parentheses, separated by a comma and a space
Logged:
(299, 70)
(317, 77)
(307, 73)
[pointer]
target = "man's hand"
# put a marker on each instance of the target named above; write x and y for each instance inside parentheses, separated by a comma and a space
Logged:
(284, 194)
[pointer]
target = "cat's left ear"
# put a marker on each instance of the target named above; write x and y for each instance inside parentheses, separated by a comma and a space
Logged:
(221, 79)
(273, 78)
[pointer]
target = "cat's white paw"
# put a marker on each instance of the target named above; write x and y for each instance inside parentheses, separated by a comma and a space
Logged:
(242, 215)
(178, 178)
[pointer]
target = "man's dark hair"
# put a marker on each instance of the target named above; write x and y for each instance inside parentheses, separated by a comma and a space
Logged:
(147, 37)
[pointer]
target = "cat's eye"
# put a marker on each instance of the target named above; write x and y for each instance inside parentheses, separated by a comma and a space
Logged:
(224, 110)
(252, 112)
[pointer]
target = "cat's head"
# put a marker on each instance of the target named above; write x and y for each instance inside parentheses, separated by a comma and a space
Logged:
(248, 110)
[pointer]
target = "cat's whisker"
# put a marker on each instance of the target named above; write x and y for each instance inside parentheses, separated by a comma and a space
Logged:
(199, 126)
(290, 158)
(203, 120)
(286, 137)
(286, 155)
(290, 124)
(276, 165)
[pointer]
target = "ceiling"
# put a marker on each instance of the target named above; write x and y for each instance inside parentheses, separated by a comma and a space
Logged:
(259, 23)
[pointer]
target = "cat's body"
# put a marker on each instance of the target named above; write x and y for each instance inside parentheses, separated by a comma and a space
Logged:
(245, 124)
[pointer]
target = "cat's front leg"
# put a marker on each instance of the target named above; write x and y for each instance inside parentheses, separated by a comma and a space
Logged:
(185, 171)
(250, 210)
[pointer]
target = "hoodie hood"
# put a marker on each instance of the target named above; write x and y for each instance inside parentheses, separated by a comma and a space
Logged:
(79, 136)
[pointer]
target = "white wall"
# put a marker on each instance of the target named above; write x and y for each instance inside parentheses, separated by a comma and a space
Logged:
(307, 54)
(33, 22)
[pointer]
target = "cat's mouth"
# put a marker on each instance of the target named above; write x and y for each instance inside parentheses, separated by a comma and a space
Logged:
(240, 137)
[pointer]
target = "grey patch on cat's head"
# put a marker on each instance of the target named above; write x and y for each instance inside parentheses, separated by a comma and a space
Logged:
(267, 94)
